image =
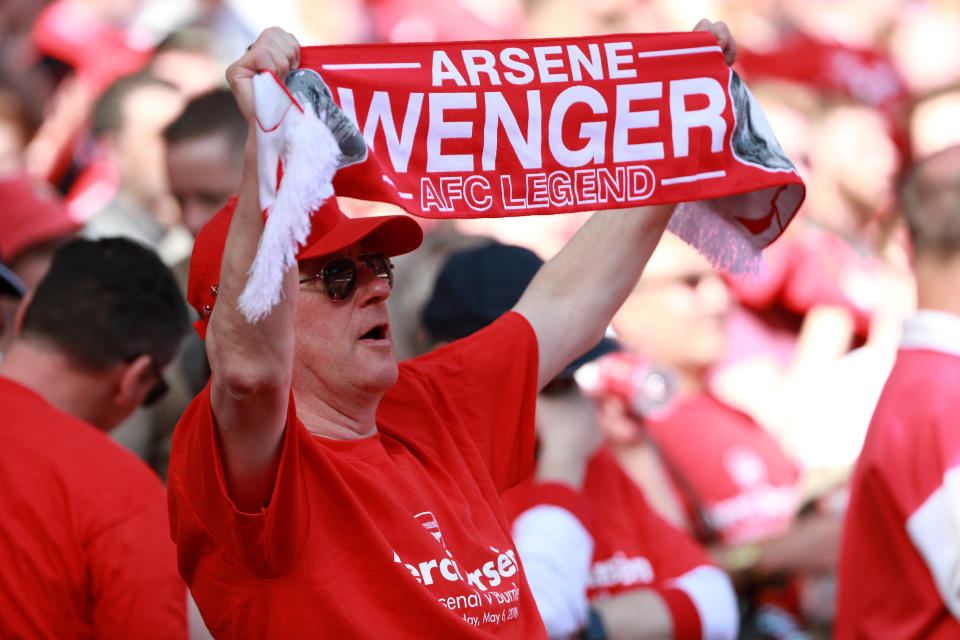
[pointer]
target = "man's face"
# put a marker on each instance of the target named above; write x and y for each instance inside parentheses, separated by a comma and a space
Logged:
(343, 347)
(677, 311)
(204, 173)
(139, 143)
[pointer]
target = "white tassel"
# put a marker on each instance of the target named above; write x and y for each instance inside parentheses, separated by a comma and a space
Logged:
(309, 155)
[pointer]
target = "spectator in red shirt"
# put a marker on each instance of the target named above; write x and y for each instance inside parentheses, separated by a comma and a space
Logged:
(85, 550)
(317, 484)
(707, 467)
(582, 527)
(900, 558)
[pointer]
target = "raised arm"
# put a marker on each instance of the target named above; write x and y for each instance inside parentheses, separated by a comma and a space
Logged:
(571, 300)
(251, 364)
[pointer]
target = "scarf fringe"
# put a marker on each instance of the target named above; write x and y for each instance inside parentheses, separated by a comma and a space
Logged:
(309, 154)
(712, 234)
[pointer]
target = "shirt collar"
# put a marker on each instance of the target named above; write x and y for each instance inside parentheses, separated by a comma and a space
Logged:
(932, 331)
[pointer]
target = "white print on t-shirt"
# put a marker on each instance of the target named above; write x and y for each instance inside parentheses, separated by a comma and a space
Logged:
(751, 515)
(745, 466)
(482, 582)
(429, 522)
(490, 574)
(620, 571)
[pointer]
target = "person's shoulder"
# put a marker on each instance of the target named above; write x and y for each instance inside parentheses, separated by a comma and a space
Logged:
(84, 457)
(106, 465)
(440, 367)
(927, 363)
(510, 326)
(453, 378)
(29, 416)
(929, 377)
(917, 410)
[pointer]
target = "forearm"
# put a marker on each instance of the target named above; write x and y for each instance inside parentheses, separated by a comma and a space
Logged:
(248, 356)
(573, 297)
(811, 545)
(251, 363)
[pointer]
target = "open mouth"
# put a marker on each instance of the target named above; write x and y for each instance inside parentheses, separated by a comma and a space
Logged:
(379, 332)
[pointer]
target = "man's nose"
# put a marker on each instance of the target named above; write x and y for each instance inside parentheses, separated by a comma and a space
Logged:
(370, 287)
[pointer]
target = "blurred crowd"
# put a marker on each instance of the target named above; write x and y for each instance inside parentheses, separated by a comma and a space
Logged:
(739, 407)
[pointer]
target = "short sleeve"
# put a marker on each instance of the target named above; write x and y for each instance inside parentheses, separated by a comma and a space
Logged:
(267, 542)
(703, 604)
(482, 389)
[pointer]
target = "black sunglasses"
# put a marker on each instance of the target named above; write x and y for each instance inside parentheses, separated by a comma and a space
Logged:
(159, 389)
(338, 278)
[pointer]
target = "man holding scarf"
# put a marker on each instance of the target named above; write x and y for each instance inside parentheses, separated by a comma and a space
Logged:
(319, 488)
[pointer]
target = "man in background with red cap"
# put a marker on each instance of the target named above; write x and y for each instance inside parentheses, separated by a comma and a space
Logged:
(316, 486)
(33, 224)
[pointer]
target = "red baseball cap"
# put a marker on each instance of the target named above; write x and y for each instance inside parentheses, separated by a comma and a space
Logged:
(32, 213)
(330, 232)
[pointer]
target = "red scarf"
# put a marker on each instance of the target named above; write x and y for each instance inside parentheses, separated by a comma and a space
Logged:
(519, 127)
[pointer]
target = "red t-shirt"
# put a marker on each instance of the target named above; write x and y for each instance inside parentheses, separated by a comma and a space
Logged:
(811, 267)
(745, 485)
(85, 550)
(399, 535)
(635, 548)
(900, 534)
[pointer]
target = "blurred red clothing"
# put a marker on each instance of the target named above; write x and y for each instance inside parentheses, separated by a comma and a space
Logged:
(634, 548)
(900, 558)
(84, 543)
(866, 75)
(98, 51)
(32, 213)
(732, 475)
(94, 188)
(811, 267)
(736, 482)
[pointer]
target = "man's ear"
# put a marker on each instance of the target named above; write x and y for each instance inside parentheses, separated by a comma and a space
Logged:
(135, 380)
(21, 311)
